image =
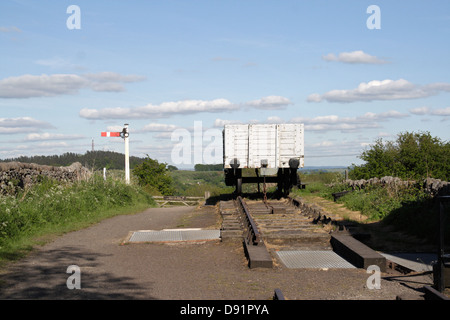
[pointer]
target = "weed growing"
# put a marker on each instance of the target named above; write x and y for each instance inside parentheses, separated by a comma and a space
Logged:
(407, 208)
(51, 207)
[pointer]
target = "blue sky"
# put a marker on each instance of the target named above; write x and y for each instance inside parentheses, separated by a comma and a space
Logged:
(162, 65)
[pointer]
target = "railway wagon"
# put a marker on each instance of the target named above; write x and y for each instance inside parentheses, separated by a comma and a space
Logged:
(274, 151)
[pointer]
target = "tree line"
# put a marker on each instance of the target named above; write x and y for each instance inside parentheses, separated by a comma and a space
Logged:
(208, 167)
(91, 159)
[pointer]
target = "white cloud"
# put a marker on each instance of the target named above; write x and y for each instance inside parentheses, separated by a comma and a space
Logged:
(269, 103)
(107, 113)
(51, 136)
(22, 125)
(167, 109)
(220, 123)
(420, 110)
(28, 86)
(113, 77)
(381, 90)
(188, 106)
(156, 111)
(354, 57)
(441, 112)
(368, 120)
(428, 111)
(314, 97)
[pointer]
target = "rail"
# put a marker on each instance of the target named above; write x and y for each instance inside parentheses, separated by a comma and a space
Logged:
(253, 234)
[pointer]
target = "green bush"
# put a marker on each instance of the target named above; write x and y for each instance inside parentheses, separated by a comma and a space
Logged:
(413, 156)
(155, 175)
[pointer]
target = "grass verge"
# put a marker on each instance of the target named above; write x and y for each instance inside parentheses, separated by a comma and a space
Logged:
(44, 211)
(408, 209)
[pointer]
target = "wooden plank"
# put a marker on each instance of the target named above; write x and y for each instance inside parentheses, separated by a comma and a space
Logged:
(258, 256)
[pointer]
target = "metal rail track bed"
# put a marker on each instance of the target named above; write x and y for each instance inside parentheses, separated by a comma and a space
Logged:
(278, 222)
(279, 230)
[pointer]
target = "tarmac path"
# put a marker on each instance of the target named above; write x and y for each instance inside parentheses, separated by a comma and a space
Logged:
(210, 270)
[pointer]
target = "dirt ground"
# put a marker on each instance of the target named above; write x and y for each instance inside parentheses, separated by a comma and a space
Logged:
(110, 268)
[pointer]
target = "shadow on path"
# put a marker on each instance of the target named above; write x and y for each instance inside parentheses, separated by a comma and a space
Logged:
(43, 275)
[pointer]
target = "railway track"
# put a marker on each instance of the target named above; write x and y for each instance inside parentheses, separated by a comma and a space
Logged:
(284, 230)
(279, 223)
(268, 226)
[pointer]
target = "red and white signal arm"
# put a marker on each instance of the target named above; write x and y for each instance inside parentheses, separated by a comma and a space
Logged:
(111, 134)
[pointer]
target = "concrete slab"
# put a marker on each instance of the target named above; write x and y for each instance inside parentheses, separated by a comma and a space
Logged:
(418, 262)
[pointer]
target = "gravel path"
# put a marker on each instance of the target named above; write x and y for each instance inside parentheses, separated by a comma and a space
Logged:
(211, 270)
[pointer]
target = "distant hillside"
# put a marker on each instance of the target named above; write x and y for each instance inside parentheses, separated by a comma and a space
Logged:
(91, 159)
(315, 169)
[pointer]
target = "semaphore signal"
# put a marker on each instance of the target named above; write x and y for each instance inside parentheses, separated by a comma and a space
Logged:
(111, 134)
(124, 134)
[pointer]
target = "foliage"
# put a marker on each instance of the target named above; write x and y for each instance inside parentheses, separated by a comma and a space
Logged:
(194, 183)
(52, 207)
(407, 208)
(413, 156)
(321, 176)
(155, 176)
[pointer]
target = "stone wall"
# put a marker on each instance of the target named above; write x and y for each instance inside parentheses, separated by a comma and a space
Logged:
(430, 185)
(19, 175)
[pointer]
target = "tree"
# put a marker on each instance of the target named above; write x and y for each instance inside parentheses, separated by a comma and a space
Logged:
(411, 156)
(155, 175)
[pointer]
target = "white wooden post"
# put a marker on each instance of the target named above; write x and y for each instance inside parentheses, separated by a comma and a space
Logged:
(127, 154)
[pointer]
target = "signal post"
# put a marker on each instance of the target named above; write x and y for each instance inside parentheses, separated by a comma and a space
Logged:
(125, 136)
